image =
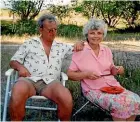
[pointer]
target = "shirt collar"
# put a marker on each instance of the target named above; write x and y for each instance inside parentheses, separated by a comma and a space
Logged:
(39, 40)
(88, 47)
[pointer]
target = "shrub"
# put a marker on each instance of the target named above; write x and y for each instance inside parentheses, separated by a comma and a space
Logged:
(7, 27)
(129, 29)
(30, 27)
(20, 27)
(69, 31)
(26, 27)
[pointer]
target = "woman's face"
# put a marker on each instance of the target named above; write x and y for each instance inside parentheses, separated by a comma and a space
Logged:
(95, 36)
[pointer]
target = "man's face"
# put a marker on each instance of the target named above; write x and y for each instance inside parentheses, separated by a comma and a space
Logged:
(49, 30)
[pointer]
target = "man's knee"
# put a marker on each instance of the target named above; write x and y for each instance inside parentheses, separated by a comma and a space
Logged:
(64, 97)
(65, 104)
(20, 92)
(58, 93)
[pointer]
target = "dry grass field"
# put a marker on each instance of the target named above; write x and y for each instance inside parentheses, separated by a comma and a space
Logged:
(7, 39)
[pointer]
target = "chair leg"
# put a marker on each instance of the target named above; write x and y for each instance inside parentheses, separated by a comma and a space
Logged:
(5, 108)
(99, 107)
(81, 108)
(6, 100)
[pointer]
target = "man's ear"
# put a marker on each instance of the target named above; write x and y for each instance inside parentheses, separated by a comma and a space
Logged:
(40, 30)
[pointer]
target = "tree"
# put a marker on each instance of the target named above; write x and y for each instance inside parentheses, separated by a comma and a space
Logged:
(59, 11)
(108, 10)
(26, 9)
(111, 11)
(88, 8)
(131, 12)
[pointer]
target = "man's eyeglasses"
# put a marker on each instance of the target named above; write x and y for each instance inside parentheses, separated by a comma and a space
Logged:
(50, 30)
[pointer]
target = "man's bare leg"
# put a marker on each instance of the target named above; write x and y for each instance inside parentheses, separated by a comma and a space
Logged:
(21, 91)
(62, 97)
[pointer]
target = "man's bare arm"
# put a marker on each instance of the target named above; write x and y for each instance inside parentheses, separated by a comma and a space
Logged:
(15, 65)
(23, 72)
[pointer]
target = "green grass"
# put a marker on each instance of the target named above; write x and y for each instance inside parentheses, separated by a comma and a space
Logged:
(131, 80)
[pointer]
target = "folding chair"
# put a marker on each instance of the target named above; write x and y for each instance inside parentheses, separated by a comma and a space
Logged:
(87, 103)
(12, 76)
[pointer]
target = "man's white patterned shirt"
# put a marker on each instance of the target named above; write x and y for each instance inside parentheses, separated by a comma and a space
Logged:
(32, 55)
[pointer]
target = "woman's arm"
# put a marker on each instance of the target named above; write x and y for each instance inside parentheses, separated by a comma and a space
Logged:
(115, 69)
(77, 75)
(73, 75)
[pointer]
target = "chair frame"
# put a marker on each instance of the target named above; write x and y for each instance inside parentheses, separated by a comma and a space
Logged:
(88, 102)
(94, 104)
(12, 76)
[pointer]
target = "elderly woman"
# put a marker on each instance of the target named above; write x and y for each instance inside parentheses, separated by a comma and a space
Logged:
(94, 67)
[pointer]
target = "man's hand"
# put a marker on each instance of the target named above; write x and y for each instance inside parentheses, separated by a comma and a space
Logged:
(23, 72)
(91, 75)
(78, 46)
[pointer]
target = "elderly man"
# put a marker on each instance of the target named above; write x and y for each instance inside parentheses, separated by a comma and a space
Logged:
(39, 62)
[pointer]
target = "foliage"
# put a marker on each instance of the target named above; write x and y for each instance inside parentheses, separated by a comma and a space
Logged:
(59, 11)
(130, 29)
(88, 8)
(6, 27)
(131, 12)
(20, 27)
(69, 31)
(26, 27)
(26, 9)
(110, 11)
(30, 27)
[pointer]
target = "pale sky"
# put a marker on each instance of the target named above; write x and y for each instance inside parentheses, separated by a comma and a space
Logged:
(2, 4)
(56, 2)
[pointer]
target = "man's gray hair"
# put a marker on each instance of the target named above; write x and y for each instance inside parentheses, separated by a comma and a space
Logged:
(48, 17)
(94, 24)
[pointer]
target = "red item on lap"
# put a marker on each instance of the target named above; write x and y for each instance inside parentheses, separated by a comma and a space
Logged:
(112, 89)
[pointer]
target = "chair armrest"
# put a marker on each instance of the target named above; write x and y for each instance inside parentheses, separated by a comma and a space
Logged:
(12, 75)
(64, 77)
(9, 72)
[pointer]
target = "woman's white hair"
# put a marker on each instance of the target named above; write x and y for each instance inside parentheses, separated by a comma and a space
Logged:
(94, 24)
